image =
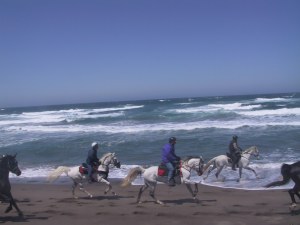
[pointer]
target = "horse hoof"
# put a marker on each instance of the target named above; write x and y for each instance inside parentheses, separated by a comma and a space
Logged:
(8, 209)
(293, 206)
(160, 202)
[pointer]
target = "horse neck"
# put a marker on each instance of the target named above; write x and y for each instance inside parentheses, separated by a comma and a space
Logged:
(4, 171)
(247, 153)
(106, 159)
(191, 163)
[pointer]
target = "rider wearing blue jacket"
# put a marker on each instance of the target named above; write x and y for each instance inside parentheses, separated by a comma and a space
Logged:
(169, 158)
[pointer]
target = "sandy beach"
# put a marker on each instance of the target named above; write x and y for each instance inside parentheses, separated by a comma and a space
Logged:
(53, 204)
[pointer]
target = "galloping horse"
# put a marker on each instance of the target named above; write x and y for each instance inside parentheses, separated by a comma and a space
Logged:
(8, 164)
(79, 178)
(151, 177)
(290, 172)
(222, 161)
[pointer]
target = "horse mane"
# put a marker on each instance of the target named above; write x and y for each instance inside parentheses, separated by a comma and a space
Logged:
(104, 157)
(249, 149)
(187, 158)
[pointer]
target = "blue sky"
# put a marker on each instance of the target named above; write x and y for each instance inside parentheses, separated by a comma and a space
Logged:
(75, 51)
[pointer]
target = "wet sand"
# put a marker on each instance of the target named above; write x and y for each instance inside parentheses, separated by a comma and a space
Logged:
(53, 204)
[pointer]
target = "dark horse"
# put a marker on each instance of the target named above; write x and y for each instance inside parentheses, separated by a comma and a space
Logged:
(290, 172)
(8, 164)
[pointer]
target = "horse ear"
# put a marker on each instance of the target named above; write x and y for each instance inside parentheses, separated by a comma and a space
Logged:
(15, 155)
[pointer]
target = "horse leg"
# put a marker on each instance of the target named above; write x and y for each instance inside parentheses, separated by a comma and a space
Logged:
(249, 168)
(240, 173)
(193, 192)
(14, 204)
(73, 189)
(17, 208)
(9, 208)
(292, 195)
(109, 187)
(81, 188)
(209, 170)
(219, 171)
(142, 189)
(152, 193)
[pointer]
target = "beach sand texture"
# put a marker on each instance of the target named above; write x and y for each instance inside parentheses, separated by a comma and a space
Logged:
(53, 204)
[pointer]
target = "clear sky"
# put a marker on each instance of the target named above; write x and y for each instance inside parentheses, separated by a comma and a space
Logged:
(76, 51)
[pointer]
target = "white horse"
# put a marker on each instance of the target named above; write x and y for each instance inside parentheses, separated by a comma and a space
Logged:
(222, 161)
(151, 177)
(79, 178)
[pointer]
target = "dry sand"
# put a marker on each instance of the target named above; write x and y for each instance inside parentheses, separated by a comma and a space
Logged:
(53, 204)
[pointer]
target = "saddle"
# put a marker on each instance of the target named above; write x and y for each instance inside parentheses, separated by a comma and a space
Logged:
(163, 170)
(230, 157)
(83, 169)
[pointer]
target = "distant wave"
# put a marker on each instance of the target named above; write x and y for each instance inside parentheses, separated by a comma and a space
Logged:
(260, 100)
(118, 128)
(274, 112)
(216, 107)
(69, 115)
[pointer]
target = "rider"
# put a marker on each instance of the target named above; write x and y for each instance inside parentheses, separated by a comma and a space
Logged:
(92, 160)
(235, 151)
(169, 158)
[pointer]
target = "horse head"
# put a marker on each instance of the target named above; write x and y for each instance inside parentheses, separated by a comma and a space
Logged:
(110, 158)
(12, 164)
(196, 163)
(115, 161)
(252, 151)
(255, 152)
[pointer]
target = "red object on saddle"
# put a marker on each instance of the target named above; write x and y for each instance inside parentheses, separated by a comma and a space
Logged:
(161, 172)
(82, 170)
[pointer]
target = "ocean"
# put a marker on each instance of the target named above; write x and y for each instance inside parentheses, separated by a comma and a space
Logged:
(45, 137)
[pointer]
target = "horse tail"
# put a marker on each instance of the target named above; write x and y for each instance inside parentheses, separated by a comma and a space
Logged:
(54, 175)
(208, 164)
(285, 172)
(132, 174)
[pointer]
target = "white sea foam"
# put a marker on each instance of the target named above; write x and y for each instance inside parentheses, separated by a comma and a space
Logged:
(261, 100)
(69, 115)
(119, 128)
(217, 107)
(273, 112)
(267, 173)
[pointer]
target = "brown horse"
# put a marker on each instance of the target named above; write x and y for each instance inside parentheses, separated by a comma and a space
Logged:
(290, 172)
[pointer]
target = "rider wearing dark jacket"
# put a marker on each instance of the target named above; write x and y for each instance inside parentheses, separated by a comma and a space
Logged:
(235, 151)
(169, 158)
(92, 160)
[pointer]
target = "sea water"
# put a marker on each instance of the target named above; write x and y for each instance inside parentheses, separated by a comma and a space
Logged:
(49, 136)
